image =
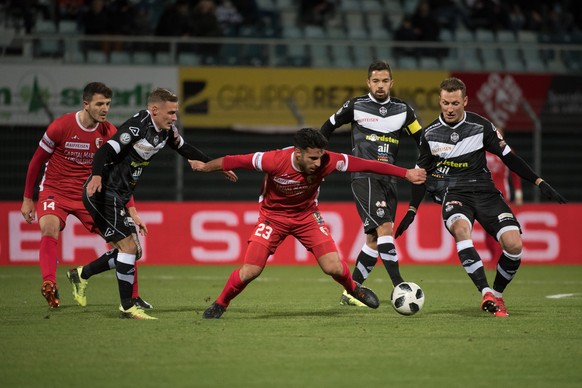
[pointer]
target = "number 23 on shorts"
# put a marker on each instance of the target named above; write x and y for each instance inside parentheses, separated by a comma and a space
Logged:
(263, 231)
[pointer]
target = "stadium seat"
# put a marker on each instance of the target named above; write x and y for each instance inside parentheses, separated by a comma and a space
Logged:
(49, 44)
(313, 32)
(483, 35)
(383, 52)
(163, 58)
(296, 55)
(336, 33)
(96, 57)
(505, 36)
(341, 54)
(407, 62)
(142, 58)
(471, 63)
(319, 55)
(350, 5)
(363, 55)
(120, 58)
(232, 54)
(189, 59)
(429, 63)
(68, 27)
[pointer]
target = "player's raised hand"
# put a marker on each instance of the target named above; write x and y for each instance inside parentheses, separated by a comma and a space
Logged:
(416, 176)
(551, 193)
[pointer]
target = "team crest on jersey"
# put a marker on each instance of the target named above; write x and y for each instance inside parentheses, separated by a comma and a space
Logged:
(383, 111)
(99, 142)
(454, 137)
(380, 212)
(125, 138)
(324, 230)
(156, 140)
(449, 205)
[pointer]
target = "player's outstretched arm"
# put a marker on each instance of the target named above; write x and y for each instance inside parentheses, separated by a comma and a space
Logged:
(356, 164)
(213, 165)
(549, 192)
(416, 176)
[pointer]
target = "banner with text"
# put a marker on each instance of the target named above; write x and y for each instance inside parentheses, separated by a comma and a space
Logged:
(284, 99)
(205, 233)
(31, 94)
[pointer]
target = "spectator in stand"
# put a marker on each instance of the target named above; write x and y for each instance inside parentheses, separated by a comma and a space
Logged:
(426, 27)
(228, 17)
(488, 14)
(316, 12)
(406, 33)
(517, 19)
(174, 22)
(204, 23)
(95, 21)
(448, 13)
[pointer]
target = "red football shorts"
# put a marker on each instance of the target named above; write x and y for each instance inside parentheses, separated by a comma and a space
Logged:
(61, 206)
(309, 228)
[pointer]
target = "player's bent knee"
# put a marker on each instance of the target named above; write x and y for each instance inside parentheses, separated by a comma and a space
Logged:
(459, 225)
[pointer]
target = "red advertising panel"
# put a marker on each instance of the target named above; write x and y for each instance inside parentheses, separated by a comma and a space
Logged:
(507, 99)
(204, 233)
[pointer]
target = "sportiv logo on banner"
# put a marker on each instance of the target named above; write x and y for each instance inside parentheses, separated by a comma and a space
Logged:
(35, 95)
(278, 100)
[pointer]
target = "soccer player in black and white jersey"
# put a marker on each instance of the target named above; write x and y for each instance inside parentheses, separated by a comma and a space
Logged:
(117, 168)
(453, 153)
(378, 122)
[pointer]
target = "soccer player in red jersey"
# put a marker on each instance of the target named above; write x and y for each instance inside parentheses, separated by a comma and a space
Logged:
(67, 148)
(288, 206)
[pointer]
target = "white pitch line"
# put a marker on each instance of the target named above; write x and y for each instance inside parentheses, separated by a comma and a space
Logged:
(560, 296)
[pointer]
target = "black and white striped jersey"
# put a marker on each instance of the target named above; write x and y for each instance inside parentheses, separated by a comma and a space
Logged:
(454, 156)
(376, 128)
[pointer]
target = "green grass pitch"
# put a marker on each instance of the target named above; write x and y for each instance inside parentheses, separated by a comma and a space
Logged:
(287, 329)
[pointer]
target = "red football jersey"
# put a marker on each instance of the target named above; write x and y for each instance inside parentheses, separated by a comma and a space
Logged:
(500, 174)
(72, 148)
(286, 190)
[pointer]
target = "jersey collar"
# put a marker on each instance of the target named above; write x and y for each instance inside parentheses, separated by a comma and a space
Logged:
(443, 122)
(378, 102)
(158, 130)
(81, 124)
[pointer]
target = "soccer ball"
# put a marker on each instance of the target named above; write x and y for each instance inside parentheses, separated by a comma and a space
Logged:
(407, 298)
